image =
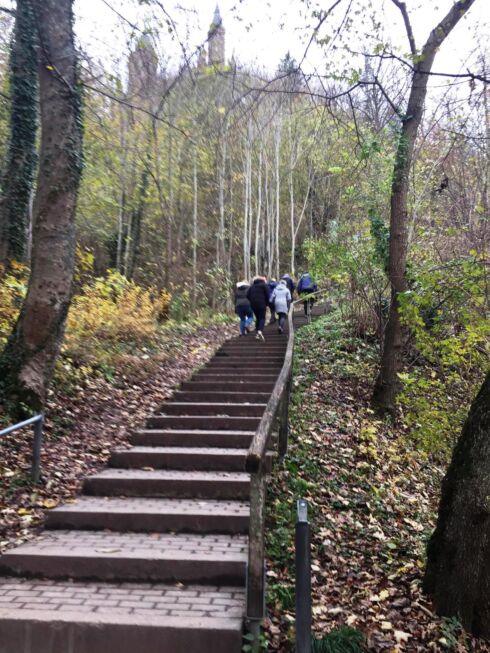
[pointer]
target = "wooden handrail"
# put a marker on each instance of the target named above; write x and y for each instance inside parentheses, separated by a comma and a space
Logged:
(278, 402)
(258, 447)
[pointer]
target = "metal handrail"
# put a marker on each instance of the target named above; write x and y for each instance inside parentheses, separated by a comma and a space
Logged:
(276, 409)
(37, 422)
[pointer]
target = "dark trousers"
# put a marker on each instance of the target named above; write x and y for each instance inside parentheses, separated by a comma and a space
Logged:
(273, 313)
(305, 305)
(259, 313)
(282, 319)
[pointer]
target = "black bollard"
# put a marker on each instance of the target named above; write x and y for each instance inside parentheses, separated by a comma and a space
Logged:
(303, 580)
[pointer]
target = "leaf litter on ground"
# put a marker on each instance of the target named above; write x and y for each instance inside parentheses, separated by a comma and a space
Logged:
(372, 504)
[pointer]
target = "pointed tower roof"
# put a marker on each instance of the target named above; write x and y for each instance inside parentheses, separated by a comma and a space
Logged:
(217, 17)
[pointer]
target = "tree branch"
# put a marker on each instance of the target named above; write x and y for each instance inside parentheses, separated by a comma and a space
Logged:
(439, 33)
(408, 26)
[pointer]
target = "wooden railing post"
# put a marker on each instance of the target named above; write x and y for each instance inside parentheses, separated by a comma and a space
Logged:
(284, 420)
(256, 555)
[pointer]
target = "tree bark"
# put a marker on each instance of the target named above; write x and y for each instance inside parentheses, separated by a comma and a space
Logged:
(18, 177)
(27, 362)
(458, 564)
(386, 386)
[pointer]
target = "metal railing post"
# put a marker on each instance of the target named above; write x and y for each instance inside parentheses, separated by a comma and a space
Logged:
(36, 449)
(303, 579)
(37, 423)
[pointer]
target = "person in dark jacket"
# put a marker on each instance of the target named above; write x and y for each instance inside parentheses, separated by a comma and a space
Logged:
(306, 285)
(258, 296)
(289, 283)
(242, 306)
(271, 286)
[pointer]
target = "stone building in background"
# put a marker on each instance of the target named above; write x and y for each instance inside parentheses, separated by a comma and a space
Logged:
(216, 40)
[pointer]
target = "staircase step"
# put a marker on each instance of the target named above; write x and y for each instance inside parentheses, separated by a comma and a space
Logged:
(151, 515)
(255, 367)
(213, 422)
(97, 617)
(165, 557)
(214, 408)
(233, 374)
(250, 358)
(229, 385)
(169, 483)
(232, 397)
(194, 438)
(197, 458)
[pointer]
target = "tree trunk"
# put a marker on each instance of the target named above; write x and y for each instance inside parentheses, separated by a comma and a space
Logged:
(278, 200)
(134, 231)
(458, 564)
(386, 386)
(194, 226)
(27, 362)
(21, 156)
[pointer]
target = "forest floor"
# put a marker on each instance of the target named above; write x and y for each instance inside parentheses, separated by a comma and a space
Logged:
(86, 419)
(372, 502)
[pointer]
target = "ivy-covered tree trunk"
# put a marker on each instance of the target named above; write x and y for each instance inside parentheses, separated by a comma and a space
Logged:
(18, 175)
(458, 555)
(386, 386)
(27, 362)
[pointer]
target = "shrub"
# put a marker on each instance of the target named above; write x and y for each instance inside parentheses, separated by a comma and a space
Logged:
(13, 288)
(109, 313)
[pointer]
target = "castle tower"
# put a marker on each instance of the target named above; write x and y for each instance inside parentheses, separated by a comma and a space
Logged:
(216, 40)
(143, 70)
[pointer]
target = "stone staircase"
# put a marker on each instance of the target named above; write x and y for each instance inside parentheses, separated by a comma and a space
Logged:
(152, 556)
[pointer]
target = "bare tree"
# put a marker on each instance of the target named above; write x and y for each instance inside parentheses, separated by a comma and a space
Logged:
(385, 389)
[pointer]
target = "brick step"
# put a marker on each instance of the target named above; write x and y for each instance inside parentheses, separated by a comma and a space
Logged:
(229, 385)
(213, 422)
(151, 515)
(194, 438)
(97, 617)
(253, 346)
(169, 483)
(206, 408)
(252, 366)
(229, 368)
(179, 458)
(234, 374)
(157, 557)
(183, 458)
(250, 358)
(232, 397)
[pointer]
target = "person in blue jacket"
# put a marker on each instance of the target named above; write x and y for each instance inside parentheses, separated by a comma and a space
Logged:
(306, 285)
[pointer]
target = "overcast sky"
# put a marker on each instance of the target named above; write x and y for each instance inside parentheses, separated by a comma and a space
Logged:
(261, 32)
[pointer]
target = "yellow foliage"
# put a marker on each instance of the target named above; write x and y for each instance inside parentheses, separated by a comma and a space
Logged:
(13, 287)
(112, 310)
